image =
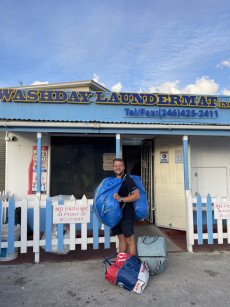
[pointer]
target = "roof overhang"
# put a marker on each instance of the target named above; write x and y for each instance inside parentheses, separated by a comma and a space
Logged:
(113, 128)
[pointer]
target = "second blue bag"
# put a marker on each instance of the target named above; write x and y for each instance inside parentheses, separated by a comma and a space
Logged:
(140, 205)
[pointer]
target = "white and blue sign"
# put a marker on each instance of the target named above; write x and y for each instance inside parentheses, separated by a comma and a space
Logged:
(111, 107)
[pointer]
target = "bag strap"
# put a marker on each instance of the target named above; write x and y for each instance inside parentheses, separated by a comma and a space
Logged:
(154, 239)
(123, 206)
(107, 259)
(107, 262)
(157, 267)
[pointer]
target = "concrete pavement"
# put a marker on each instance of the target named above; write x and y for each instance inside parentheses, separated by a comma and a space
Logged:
(200, 279)
(152, 230)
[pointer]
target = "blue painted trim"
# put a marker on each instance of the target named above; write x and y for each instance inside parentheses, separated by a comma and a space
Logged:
(11, 221)
(95, 232)
(48, 230)
(118, 144)
(107, 237)
(209, 219)
(120, 130)
(199, 220)
(101, 112)
(39, 164)
(186, 168)
(60, 228)
(0, 223)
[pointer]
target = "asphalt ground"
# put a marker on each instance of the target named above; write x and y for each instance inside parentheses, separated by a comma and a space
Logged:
(78, 279)
(198, 279)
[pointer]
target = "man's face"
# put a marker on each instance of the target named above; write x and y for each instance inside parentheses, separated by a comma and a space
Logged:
(118, 168)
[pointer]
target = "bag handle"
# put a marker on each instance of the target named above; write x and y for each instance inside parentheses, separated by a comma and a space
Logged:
(107, 262)
(157, 267)
(154, 240)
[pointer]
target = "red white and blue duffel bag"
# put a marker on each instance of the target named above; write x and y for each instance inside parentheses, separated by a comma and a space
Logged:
(127, 272)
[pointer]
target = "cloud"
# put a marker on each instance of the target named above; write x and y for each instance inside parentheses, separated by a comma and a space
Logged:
(204, 86)
(117, 87)
(226, 92)
(224, 63)
(167, 87)
(39, 82)
(96, 79)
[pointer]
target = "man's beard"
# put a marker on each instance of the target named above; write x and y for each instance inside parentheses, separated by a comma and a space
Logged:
(119, 174)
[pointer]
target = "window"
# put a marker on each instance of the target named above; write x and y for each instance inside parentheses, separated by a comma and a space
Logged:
(77, 164)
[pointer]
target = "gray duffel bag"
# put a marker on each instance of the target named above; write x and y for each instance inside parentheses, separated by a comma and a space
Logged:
(153, 250)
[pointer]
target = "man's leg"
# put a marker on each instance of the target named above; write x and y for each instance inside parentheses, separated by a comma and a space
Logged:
(130, 241)
(122, 243)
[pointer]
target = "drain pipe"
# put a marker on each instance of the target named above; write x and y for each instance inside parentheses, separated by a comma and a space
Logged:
(187, 193)
(39, 160)
(36, 231)
(118, 145)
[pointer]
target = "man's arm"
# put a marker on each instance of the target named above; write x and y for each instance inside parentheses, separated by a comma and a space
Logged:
(128, 199)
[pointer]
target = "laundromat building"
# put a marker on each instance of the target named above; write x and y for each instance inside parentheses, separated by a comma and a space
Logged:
(82, 126)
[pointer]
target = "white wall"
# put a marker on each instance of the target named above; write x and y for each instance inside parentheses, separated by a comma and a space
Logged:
(210, 165)
(18, 159)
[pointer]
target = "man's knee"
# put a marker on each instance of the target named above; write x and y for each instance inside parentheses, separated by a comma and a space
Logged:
(130, 239)
(121, 237)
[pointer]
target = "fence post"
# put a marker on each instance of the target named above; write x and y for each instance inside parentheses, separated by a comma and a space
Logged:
(60, 228)
(189, 222)
(219, 224)
(199, 219)
(72, 233)
(36, 238)
(209, 219)
(84, 201)
(48, 230)
(107, 237)
(11, 221)
(24, 226)
(95, 231)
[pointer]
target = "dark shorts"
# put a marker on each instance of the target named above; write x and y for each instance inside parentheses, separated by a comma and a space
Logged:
(125, 227)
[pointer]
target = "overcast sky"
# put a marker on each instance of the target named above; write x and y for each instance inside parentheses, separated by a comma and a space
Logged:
(171, 46)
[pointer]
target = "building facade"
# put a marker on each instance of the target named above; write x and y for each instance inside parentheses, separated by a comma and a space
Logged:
(61, 139)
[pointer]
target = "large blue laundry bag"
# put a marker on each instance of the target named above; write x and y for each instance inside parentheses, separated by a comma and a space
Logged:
(140, 205)
(107, 208)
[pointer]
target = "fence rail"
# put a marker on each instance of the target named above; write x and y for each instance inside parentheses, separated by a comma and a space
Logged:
(79, 237)
(205, 226)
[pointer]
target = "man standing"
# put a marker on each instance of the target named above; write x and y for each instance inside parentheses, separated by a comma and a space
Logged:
(127, 194)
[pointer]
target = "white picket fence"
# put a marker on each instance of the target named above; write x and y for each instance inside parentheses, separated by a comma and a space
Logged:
(3, 195)
(49, 242)
(206, 226)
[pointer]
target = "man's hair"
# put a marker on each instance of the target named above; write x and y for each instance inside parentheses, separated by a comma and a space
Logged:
(119, 160)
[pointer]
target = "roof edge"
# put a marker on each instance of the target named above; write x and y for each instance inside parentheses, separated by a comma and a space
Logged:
(91, 83)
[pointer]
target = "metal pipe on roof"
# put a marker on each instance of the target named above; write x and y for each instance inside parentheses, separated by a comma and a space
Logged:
(111, 125)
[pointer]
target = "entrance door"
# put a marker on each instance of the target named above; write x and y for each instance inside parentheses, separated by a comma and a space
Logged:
(147, 174)
(169, 183)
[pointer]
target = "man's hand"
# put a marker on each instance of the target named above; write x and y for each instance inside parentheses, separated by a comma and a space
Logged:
(134, 196)
(117, 197)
